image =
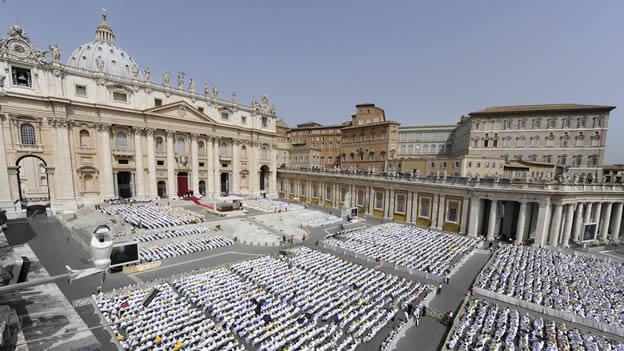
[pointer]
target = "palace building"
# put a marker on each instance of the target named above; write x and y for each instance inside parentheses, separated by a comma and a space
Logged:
(100, 127)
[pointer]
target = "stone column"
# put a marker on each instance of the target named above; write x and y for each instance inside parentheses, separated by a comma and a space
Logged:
(387, 204)
(434, 211)
(195, 164)
(371, 200)
(556, 225)
(578, 221)
(588, 212)
(235, 167)
(597, 214)
(567, 225)
(541, 230)
(392, 204)
(171, 179)
(414, 207)
(107, 187)
(6, 201)
(606, 217)
(151, 164)
(209, 168)
(408, 207)
(138, 162)
(521, 222)
(492, 220)
(273, 181)
(473, 224)
(64, 178)
(463, 223)
(216, 165)
(617, 221)
(441, 212)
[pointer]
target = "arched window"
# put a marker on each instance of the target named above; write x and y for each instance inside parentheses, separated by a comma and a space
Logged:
(180, 146)
(383, 155)
(410, 149)
(84, 138)
(159, 144)
(243, 152)
(264, 153)
(200, 146)
(402, 149)
(121, 141)
(27, 132)
(202, 187)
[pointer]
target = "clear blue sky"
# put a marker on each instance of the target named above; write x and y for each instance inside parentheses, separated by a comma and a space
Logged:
(422, 62)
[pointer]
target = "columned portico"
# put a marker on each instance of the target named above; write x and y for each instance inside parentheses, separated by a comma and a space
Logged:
(463, 227)
(65, 196)
(543, 220)
(475, 215)
(441, 209)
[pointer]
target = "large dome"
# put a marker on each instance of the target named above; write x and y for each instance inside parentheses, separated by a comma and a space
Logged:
(104, 50)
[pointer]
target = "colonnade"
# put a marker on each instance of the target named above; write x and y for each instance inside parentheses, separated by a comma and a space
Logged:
(546, 220)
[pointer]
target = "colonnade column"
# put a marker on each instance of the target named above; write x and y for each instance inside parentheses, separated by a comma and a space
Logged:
(138, 162)
(492, 220)
(578, 222)
(597, 214)
(521, 222)
(463, 224)
(151, 164)
(441, 207)
(473, 224)
(606, 218)
(371, 200)
(5, 193)
(216, 164)
(106, 173)
(556, 225)
(434, 211)
(414, 207)
(195, 164)
(617, 221)
(253, 172)
(588, 213)
(567, 225)
(64, 175)
(209, 168)
(273, 181)
(408, 206)
(235, 167)
(541, 230)
(392, 204)
(171, 184)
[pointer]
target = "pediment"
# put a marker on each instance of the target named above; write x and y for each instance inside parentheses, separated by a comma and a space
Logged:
(180, 110)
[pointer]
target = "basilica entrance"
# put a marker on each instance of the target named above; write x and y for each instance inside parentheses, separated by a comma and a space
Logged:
(225, 183)
(162, 189)
(124, 184)
(264, 177)
(32, 182)
(182, 183)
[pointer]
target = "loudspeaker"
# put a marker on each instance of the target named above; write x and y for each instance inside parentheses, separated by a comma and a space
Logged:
(23, 274)
(151, 296)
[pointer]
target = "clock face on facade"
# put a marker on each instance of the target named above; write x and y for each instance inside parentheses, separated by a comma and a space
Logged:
(19, 48)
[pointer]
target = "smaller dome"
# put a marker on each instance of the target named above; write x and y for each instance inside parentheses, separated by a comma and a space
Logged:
(104, 49)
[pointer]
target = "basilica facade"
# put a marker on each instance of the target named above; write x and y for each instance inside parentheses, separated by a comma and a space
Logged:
(99, 127)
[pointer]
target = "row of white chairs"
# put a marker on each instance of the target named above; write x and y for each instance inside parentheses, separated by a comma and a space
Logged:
(485, 326)
(314, 218)
(153, 216)
(268, 205)
(417, 248)
(172, 233)
(182, 247)
(589, 287)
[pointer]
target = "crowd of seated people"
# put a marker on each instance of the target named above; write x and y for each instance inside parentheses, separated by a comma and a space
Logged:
(486, 326)
(172, 233)
(585, 286)
(154, 216)
(183, 247)
(268, 205)
(417, 248)
(315, 219)
(169, 322)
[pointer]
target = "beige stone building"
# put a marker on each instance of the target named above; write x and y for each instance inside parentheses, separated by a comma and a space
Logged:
(325, 138)
(99, 127)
